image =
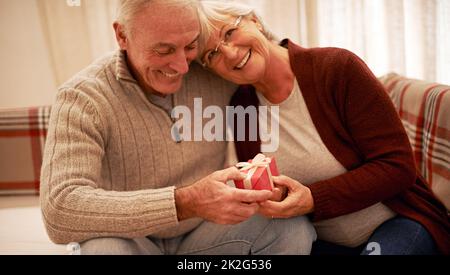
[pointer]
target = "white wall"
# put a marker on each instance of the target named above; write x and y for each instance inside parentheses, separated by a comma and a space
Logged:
(26, 77)
(288, 28)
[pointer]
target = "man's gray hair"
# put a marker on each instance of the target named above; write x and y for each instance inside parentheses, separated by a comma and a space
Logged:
(220, 11)
(127, 9)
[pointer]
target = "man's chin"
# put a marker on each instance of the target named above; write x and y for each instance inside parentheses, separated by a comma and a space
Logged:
(169, 89)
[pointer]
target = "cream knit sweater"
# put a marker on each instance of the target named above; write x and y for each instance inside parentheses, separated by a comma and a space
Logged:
(110, 164)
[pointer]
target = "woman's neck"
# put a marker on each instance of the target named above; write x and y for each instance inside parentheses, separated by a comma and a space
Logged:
(278, 81)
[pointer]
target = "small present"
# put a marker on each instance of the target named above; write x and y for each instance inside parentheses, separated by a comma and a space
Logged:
(259, 172)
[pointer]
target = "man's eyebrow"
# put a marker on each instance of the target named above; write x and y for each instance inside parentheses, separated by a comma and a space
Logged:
(170, 45)
(162, 45)
(195, 40)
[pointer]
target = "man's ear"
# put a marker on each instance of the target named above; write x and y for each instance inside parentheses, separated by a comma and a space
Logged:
(121, 36)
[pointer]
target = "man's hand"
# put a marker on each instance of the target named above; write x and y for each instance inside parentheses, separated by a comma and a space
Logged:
(213, 200)
(298, 202)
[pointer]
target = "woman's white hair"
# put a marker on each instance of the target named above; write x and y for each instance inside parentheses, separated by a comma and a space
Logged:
(221, 11)
(127, 9)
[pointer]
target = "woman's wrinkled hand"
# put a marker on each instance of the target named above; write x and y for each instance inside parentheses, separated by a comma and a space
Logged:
(279, 193)
(298, 202)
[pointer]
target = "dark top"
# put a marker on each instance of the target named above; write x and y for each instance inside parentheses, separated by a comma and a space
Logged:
(359, 125)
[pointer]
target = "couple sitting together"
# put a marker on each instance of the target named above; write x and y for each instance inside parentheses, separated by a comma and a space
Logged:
(114, 179)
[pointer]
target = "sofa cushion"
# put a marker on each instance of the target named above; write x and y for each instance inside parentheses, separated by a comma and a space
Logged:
(424, 109)
(22, 139)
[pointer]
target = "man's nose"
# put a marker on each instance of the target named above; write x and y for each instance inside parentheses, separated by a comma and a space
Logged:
(180, 63)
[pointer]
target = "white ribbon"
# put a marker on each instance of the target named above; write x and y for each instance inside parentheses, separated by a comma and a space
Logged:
(257, 162)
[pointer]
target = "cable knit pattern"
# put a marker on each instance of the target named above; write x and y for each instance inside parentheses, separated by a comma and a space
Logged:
(110, 164)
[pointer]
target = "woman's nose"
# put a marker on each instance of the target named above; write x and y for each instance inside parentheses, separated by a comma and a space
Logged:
(228, 51)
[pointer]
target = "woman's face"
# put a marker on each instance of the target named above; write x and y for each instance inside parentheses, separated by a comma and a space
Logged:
(238, 51)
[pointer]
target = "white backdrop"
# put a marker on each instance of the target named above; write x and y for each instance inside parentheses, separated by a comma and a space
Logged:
(44, 42)
(410, 37)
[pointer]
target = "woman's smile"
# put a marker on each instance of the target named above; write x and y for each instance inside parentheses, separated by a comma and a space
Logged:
(244, 61)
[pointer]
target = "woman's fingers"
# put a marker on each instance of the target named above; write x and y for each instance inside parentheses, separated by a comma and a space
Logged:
(292, 205)
(277, 194)
(272, 209)
(284, 209)
(287, 182)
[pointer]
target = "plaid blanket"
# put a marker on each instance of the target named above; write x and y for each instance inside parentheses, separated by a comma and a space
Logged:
(425, 112)
(22, 139)
(423, 107)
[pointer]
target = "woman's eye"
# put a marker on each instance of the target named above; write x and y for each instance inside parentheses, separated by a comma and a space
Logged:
(229, 33)
(211, 55)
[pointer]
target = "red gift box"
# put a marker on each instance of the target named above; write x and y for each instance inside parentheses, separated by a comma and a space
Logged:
(259, 172)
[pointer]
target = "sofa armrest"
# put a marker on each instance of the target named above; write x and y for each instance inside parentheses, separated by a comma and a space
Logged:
(424, 109)
(22, 139)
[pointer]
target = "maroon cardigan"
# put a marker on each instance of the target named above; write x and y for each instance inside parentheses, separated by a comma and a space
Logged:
(359, 125)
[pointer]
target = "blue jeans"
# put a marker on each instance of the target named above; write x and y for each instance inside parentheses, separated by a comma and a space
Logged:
(397, 236)
(257, 236)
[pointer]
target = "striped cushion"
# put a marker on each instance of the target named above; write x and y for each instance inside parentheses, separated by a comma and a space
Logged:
(22, 139)
(425, 111)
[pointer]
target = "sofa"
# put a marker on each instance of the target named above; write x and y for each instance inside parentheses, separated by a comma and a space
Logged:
(22, 139)
(423, 107)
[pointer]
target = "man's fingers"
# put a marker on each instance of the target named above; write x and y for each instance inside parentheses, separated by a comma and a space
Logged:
(231, 173)
(251, 196)
(246, 210)
(240, 212)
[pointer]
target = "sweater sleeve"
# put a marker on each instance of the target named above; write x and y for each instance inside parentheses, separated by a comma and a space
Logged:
(74, 206)
(378, 135)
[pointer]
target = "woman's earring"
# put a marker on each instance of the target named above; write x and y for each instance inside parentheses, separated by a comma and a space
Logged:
(260, 28)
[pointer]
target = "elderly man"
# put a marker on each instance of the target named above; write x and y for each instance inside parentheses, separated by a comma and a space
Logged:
(115, 179)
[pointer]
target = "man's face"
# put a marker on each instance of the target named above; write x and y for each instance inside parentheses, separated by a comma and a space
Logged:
(161, 43)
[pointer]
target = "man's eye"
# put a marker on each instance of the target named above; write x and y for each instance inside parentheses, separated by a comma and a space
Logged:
(162, 52)
(192, 47)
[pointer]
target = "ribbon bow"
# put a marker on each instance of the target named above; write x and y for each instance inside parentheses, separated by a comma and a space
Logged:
(257, 162)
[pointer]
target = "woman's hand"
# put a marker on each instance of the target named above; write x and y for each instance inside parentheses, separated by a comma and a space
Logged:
(279, 193)
(298, 202)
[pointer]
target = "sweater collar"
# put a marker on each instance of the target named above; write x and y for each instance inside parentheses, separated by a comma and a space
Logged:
(299, 58)
(122, 71)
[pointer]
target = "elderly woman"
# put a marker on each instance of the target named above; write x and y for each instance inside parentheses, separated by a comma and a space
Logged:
(345, 155)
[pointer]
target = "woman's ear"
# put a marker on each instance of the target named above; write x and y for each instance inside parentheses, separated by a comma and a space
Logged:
(258, 24)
